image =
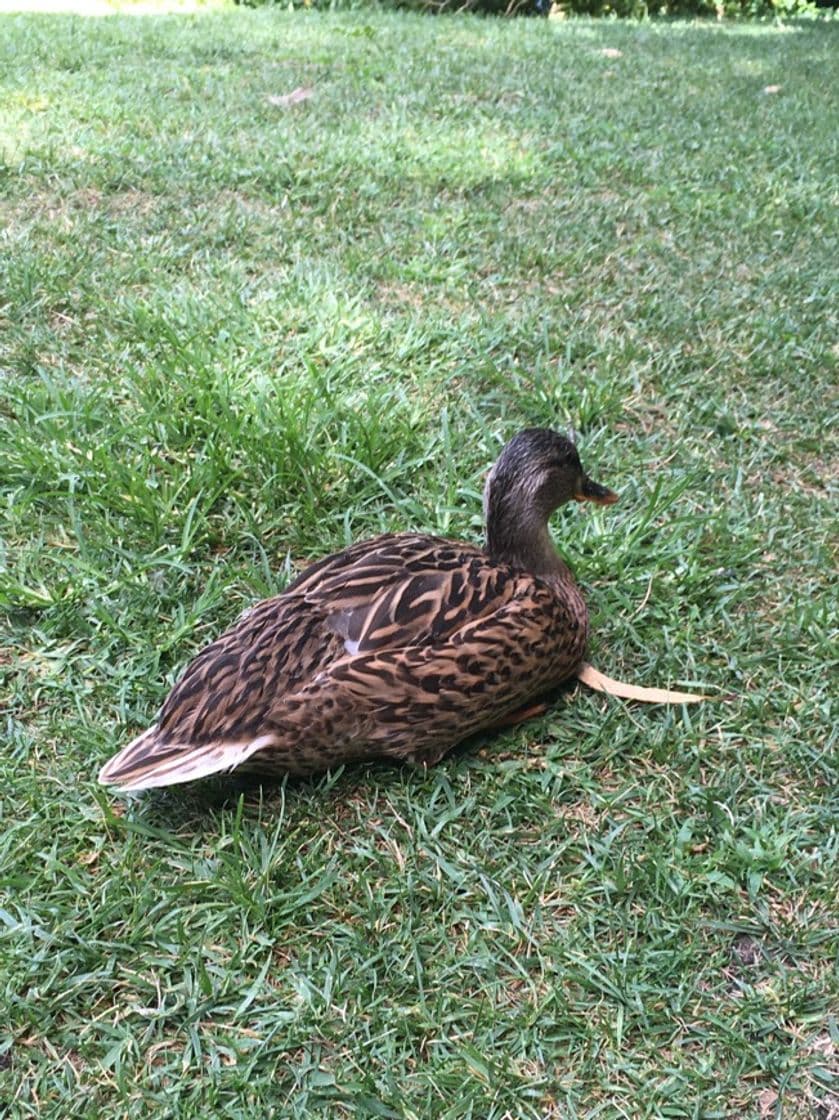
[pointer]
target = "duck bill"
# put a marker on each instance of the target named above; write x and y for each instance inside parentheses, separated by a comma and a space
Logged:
(593, 492)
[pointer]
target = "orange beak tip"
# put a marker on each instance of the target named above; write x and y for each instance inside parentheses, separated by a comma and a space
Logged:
(594, 492)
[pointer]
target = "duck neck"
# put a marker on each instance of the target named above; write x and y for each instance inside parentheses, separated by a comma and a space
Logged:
(523, 540)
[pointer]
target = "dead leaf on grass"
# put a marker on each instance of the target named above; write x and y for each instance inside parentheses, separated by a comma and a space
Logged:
(766, 1102)
(284, 100)
(825, 1045)
(601, 683)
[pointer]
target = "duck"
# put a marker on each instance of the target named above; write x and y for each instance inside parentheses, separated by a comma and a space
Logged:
(398, 647)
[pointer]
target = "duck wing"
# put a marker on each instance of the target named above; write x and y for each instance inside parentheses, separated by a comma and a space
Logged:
(395, 593)
(415, 703)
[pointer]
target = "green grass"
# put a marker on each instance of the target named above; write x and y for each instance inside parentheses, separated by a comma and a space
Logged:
(234, 337)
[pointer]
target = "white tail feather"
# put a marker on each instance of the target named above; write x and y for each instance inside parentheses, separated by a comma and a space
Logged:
(184, 764)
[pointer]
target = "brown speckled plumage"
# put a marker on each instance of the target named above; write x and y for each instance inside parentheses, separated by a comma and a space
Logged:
(397, 647)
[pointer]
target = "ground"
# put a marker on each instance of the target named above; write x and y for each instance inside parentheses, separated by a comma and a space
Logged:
(237, 334)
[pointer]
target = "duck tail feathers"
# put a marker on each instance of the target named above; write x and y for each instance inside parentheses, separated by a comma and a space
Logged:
(153, 760)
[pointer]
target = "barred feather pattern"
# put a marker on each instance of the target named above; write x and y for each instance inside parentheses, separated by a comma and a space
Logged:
(399, 647)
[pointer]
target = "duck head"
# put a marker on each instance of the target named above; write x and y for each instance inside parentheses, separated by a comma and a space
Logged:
(536, 472)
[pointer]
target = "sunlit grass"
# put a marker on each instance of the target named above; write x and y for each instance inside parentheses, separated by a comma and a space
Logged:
(110, 7)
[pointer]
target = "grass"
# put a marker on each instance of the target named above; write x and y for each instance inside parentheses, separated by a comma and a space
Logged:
(235, 337)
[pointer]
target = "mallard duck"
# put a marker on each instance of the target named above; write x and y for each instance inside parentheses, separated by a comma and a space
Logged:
(397, 647)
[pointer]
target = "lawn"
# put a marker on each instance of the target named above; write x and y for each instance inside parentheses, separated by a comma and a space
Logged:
(236, 335)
